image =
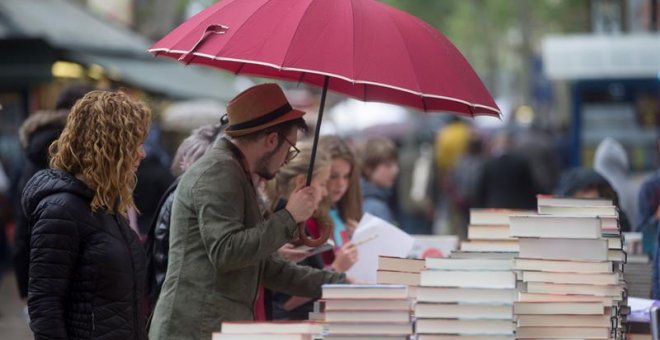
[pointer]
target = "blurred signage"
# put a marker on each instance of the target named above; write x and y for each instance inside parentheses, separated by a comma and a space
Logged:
(120, 11)
(601, 56)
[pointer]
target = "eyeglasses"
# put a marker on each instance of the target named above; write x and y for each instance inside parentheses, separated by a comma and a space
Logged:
(292, 153)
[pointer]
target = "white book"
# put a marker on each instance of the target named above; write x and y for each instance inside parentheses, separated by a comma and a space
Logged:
(573, 278)
(354, 291)
(555, 288)
(494, 216)
(465, 327)
(463, 311)
(551, 308)
(488, 232)
(572, 201)
(367, 305)
(564, 320)
(466, 295)
(469, 264)
(273, 327)
(536, 297)
(469, 279)
(562, 266)
(564, 249)
(578, 211)
(563, 332)
(463, 337)
(555, 227)
(367, 316)
(370, 328)
(494, 245)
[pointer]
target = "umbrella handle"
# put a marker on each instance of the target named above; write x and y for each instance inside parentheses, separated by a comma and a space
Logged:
(310, 242)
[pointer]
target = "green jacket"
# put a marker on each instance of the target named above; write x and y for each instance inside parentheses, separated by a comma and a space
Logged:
(222, 250)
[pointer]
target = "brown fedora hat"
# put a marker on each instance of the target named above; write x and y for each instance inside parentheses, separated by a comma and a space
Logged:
(257, 108)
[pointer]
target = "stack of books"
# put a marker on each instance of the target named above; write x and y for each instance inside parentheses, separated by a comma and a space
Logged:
(278, 330)
(400, 271)
(488, 234)
(570, 264)
(466, 299)
(367, 312)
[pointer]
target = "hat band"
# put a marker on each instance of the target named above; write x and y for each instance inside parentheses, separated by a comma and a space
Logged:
(277, 113)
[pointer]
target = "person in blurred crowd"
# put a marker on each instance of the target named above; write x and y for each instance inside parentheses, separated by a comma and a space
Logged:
(36, 134)
(464, 185)
(415, 187)
(221, 248)
(507, 181)
(345, 198)
(290, 176)
(153, 179)
(380, 168)
(611, 161)
(587, 183)
(86, 264)
(158, 237)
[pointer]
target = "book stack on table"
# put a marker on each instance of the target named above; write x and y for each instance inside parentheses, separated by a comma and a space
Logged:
(367, 312)
(570, 264)
(276, 330)
(489, 235)
(400, 271)
(466, 299)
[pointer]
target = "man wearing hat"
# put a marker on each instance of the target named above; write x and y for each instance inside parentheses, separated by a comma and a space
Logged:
(221, 248)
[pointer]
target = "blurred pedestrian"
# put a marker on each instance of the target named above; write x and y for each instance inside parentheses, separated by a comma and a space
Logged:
(221, 248)
(611, 161)
(380, 168)
(36, 134)
(86, 264)
(158, 236)
(507, 181)
(464, 190)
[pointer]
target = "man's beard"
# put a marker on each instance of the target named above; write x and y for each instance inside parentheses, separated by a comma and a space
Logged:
(262, 166)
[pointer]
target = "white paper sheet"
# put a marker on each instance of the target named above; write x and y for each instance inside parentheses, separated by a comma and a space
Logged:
(381, 238)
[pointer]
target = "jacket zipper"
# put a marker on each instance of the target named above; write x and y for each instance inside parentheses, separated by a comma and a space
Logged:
(93, 322)
(130, 253)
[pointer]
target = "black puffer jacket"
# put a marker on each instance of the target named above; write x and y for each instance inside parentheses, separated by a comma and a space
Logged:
(86, 269)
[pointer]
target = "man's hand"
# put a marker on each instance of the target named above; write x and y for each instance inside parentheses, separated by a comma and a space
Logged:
(302, 203)
(291, 254)
(345, 258)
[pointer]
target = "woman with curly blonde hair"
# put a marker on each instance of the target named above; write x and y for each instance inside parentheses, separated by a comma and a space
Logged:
(86, 264)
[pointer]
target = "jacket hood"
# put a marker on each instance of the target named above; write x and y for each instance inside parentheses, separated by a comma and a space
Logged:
(39, 131)
(371, 190)
(611, 159)
(49, 182)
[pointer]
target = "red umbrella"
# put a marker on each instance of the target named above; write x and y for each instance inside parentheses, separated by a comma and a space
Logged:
(361, 48)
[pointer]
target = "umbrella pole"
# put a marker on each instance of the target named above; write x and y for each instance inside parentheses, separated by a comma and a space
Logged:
(317, 130)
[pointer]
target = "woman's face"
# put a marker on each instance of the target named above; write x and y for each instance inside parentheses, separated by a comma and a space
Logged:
(320, 184)
(339, 179)
(384, 175)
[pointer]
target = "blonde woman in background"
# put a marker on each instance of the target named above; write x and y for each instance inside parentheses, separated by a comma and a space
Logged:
(291, 176)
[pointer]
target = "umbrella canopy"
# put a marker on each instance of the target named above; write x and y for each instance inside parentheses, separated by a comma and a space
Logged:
(369, 51)
(361, 48)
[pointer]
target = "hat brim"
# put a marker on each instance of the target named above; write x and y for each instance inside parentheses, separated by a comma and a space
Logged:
(291, 115)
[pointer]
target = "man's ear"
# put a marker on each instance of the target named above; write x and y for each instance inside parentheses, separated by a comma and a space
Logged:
(271, 141)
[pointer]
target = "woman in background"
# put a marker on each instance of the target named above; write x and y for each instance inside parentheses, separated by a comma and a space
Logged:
(86, 264)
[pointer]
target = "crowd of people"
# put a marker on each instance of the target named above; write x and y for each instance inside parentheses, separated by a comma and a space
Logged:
(113, 242)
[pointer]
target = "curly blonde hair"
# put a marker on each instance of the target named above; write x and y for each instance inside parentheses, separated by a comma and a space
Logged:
(100, 145)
